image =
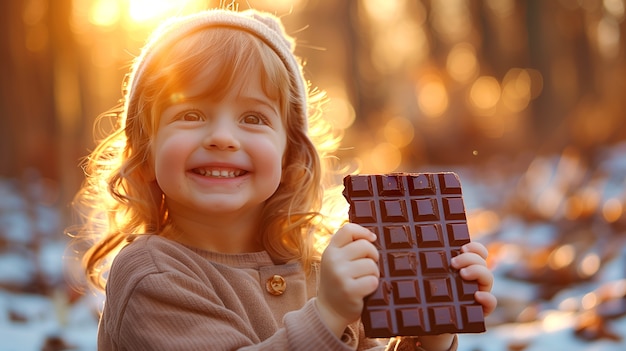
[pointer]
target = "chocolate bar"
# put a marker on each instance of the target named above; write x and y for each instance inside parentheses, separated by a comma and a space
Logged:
(420, 223)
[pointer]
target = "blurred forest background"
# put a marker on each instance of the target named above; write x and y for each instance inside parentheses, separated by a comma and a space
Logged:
(412, 82)
(528, 96)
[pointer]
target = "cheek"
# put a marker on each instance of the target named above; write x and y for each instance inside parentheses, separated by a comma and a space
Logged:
(275, 163)
(167, 155)
(272, 157)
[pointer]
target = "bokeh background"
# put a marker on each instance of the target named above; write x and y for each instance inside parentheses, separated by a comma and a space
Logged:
(526, 100)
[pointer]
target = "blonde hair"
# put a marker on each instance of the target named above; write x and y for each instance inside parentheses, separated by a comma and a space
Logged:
(117, 202)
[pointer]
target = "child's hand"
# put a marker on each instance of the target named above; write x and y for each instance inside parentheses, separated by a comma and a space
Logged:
(472, 266)
(348, 272)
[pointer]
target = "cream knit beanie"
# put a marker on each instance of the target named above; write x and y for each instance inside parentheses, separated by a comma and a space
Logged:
(265, 26)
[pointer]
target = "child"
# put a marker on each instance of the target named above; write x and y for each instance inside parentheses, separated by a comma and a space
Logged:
(210, 189)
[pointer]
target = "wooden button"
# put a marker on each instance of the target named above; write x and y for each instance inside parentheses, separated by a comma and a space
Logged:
(276, 285)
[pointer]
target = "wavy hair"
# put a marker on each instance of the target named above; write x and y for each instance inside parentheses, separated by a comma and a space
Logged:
(118, 202)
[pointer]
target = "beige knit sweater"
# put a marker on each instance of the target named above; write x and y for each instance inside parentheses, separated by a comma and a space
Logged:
(162, 295)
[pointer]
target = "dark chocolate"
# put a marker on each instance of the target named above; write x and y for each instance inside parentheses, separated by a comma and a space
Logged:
(420, 222)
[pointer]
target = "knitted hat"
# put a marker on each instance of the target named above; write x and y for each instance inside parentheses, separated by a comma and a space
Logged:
(265, 26)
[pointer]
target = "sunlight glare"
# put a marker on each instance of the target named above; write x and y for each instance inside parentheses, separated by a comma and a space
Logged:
(383, 158)
(462, 63)
(516, 92)
(342, 111)
(485, 93)
(557, 320)
(382, 10)
(432, 96)
(608, 37)
(104, 13)
(615, 8)
(145, 10)
(399, 131)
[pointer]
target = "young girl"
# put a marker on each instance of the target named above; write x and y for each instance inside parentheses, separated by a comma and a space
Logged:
(208, 194)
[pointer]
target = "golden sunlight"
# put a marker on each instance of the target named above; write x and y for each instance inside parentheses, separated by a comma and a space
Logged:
(342, 112)
(432, 96)
(382, 11)
(145, 10)
(399, 131)
(383, 158)
(104, 13)
(462, 63)
(516, 92)
(485, 93)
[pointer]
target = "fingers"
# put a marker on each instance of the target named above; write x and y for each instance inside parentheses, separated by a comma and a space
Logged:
(472, 265)
(360, 276)
(351, 232)
(360, 249)
(476, 248)
(349, 272)
(351, 255)
(467, 259)
(481, 274)
(352, 242)
(366, 284)
(487, 300)
(360, 268)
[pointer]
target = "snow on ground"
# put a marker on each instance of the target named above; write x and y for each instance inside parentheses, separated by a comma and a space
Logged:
(556, 233)
(29, 321)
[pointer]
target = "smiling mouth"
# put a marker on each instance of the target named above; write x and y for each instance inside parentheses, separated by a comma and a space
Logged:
(219, 172)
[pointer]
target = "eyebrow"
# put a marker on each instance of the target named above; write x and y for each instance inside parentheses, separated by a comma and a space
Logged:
(262, 101)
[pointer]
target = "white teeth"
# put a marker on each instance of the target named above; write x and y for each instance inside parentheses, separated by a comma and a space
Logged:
(218, 173)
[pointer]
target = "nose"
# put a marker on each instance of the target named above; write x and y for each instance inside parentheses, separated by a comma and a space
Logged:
(221, 135)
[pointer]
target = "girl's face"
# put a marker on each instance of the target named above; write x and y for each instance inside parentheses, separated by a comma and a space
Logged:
(217, 158)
